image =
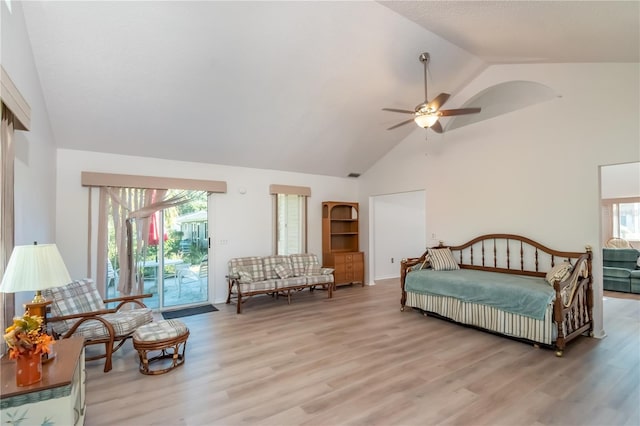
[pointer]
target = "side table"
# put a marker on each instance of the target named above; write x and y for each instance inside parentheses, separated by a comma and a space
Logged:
(56, 399)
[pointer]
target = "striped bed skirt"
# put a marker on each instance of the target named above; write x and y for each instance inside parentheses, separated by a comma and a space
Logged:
(487, 317)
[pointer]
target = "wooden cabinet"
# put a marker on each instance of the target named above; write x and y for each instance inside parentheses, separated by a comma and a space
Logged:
(340, 242)
(57, 399)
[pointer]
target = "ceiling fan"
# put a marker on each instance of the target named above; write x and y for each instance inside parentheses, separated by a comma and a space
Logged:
(426, 114)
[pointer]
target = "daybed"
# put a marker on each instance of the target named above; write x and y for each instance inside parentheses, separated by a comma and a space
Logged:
(276, 275)
(502, 283)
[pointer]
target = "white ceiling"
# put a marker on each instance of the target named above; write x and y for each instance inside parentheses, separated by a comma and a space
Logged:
(295, 86)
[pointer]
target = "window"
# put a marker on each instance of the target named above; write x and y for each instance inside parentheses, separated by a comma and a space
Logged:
(291, 224)
(622, 218)
(290, 214)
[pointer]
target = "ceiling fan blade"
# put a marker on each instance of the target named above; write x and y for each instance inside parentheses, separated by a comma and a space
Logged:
(400, 124)
(436, 127)
(438, 101)
(404, 111)
(461, 111)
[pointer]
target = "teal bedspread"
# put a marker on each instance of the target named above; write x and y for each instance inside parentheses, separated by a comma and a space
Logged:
(517, 294)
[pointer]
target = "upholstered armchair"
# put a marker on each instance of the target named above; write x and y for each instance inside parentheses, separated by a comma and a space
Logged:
(78, 310)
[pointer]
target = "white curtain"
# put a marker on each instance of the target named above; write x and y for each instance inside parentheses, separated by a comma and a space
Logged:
(7, 307)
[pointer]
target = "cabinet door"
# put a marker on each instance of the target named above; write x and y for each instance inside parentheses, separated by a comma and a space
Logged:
(358, 267)
(339, 273)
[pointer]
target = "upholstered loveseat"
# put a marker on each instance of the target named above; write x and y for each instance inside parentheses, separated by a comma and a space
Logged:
(276, 275)
(621, 271)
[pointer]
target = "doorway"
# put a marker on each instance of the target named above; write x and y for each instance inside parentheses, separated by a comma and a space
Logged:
(398, 231)
(620, 229)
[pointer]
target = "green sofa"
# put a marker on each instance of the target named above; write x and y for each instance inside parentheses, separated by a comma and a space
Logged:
(620, 270)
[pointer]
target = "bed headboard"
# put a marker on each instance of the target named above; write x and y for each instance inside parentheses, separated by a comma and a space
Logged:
(509, 253)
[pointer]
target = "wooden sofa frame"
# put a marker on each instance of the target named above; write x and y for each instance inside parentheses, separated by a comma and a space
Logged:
(571, 318)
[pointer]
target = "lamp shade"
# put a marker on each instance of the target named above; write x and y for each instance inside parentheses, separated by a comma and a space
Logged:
(34, 268)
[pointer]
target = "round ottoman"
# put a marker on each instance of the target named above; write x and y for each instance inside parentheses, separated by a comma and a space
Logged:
(166, 337)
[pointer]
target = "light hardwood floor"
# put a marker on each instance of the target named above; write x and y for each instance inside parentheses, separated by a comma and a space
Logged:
(357, 360)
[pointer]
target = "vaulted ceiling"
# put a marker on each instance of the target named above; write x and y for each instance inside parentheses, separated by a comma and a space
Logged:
(295, 86)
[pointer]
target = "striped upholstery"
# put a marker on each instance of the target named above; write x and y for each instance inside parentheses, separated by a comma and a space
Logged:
(160, 330)
(253, 265)
(442, 259)
(487, 317)
(299, 262)
(270, 262)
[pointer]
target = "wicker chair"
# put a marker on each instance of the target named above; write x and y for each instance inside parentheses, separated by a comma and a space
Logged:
(617, 243)
(78, 310)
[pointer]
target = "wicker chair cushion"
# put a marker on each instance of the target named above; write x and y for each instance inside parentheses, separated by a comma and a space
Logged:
(124, 323)
(160, 330)
(76, 297)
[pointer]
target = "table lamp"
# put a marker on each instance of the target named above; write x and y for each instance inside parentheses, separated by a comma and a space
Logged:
(35, 268)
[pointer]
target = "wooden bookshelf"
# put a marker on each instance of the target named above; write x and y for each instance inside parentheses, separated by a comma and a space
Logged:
(341, 242)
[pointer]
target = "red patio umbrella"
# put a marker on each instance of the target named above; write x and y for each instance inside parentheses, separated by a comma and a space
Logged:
(154, 236)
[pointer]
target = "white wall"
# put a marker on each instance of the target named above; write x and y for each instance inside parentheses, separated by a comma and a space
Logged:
(244, 220)
(533, 172)
(621, 180)
(35, 190)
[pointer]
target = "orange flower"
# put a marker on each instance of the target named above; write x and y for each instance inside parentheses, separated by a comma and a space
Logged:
(25, 337)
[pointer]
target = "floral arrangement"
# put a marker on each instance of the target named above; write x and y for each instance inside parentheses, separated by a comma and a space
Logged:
(25, 337)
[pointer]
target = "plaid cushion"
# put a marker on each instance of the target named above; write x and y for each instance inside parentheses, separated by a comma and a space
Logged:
(299, 262)
(123, 322)
(319, 279)
(160, 330)
(250, 264)
(74, 298)
(282, 270)
(244, 276)
(312, 269)
(292, 282)
(270, 262)
(258, 286)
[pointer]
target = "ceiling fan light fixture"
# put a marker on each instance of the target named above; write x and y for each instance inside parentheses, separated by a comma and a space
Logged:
(426, 120)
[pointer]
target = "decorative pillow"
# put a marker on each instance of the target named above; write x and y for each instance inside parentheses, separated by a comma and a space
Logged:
(560, 272)
(424, 265)
(312, 269)
(282, 270)
(326, 271)
(245, 276)
(442, 259)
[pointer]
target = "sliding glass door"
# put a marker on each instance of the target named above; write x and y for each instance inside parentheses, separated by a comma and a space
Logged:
(173, 263)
